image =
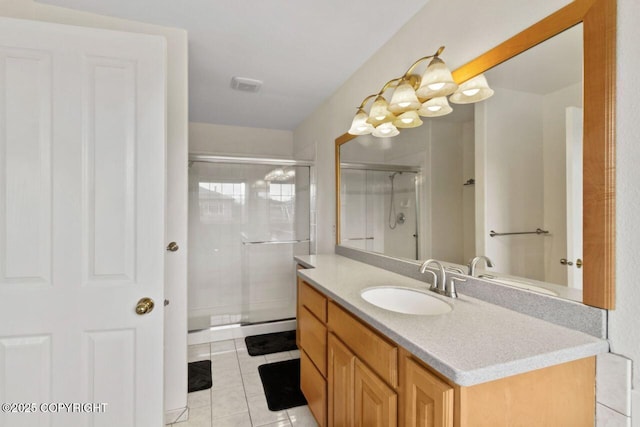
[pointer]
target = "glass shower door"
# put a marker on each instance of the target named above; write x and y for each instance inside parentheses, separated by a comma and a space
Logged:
(246, 223)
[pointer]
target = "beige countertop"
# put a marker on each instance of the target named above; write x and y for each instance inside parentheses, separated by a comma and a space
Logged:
(474, 343)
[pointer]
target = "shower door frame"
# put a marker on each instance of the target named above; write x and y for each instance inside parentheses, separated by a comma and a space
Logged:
(267, 161)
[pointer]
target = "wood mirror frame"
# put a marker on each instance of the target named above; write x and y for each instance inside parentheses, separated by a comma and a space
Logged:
(599, 86)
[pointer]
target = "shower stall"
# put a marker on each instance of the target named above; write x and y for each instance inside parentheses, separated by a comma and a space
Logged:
(248, 218)
(379, 208)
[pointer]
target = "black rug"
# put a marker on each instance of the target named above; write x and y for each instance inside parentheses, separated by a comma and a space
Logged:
(276, 342)
(199, 375)
(281, 383)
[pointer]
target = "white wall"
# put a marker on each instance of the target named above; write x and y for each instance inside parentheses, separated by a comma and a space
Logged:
(624, 322)
(509, 129)
(205, 138)
(445, 170)
(469, 29)
(175, 356)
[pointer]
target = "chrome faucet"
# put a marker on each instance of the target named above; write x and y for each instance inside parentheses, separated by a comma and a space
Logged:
(450, 289)
(438, 282)
(474, 261)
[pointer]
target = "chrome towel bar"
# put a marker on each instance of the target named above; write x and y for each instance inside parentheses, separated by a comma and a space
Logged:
(538, 231)
(276, 242)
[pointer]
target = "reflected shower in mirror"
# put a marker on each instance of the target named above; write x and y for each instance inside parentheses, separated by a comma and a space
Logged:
(511, 164)
(379, 212)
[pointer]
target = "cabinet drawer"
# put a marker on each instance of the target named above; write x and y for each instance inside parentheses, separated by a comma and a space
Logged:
(314, 388)
(375, 351)
(313, 300)
(313, 339)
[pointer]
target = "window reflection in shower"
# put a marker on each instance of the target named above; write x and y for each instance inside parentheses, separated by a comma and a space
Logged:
(246, 223)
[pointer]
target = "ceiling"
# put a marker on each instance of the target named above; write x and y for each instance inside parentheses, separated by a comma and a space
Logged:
(302, 50)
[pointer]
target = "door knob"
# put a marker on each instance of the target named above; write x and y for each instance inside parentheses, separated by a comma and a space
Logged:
(579, 263)
(144, 306)
(564, 261)
(172, 247)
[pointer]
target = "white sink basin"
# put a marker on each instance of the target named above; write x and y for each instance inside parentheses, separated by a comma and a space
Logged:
(404, 300)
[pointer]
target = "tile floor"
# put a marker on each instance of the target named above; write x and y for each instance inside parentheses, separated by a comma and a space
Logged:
(237, 397)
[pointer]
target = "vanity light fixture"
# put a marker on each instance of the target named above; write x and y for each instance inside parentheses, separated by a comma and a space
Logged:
(359, 126)
(473, 90)
(416, 96)
(435, 107)
(408, 119)
(387, 129)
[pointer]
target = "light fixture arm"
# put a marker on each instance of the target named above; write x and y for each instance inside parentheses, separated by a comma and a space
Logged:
(415, 64)
(399, 80)
(364, 101)
(388, 84)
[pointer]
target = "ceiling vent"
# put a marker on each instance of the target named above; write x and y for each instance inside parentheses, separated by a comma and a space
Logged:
(246, 85)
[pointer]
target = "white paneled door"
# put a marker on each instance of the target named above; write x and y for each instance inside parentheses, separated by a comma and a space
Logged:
(573, 120)
(82, 140)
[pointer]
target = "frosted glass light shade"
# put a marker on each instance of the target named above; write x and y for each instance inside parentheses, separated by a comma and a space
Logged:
(380, 112)
(404, 99)
(436, 81)
(385, 130)
(435, 107)
(408, 119)
(359, 125)
(473, 90)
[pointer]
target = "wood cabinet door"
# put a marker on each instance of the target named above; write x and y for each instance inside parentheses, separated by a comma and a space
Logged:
(340, 383)
(428, 400)
(314, 388)
(375, 403)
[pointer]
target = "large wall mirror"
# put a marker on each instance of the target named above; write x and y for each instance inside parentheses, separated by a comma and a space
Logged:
(536, 160)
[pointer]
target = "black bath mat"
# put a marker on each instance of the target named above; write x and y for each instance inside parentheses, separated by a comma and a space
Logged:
(199, 375)
(276, 342)
(281, 383)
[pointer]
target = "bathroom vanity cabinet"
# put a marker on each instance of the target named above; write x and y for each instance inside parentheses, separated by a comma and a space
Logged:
(353, 375)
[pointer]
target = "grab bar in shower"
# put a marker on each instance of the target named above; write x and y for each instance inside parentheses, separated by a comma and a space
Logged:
(358, 238)
(276, 242)
(538, 231)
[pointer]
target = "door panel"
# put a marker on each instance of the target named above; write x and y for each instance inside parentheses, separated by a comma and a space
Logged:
(108, 383)
(375, 403)
(110, 159)
(82, 145)
(18, 385)
(25, 221)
